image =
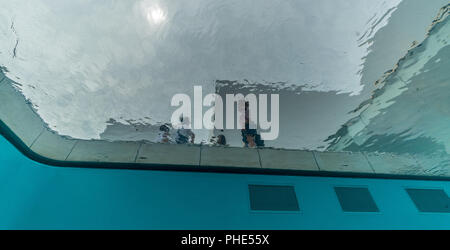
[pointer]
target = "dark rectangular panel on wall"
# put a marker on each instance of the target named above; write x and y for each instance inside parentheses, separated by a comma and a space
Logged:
(355, 199)
(430, 200)
(273, 198)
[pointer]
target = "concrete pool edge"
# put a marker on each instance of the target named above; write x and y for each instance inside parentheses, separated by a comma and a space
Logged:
(23, 127)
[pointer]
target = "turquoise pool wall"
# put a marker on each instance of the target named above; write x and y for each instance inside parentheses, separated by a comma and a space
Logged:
(36, 196)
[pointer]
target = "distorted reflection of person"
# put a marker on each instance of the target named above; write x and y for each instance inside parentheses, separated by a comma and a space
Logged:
(184, 133)
(250, 136)
(221, 140)
(164, 134)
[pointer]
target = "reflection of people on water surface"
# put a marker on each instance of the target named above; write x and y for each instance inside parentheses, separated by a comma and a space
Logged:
(185, 134)
(221, 140)
(164, 135)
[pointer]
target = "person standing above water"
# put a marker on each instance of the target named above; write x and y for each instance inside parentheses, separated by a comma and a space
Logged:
(164, 135)
(219, 140)
(185, 134)
(250, 137)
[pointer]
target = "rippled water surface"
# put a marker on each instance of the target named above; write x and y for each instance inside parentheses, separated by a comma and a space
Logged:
(108, 69)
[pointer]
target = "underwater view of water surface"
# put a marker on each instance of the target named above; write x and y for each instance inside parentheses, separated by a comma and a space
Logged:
(108, 70)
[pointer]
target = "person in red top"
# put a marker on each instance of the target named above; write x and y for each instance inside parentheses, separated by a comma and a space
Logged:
(250, 137)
